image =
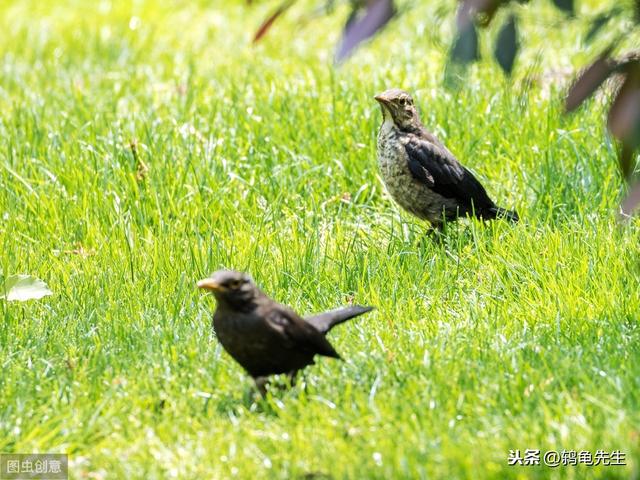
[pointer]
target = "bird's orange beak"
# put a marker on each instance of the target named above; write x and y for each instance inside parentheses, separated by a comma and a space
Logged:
(209, 284)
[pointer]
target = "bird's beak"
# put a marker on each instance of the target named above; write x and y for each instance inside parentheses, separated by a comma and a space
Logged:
(209, 284)
(382, 100)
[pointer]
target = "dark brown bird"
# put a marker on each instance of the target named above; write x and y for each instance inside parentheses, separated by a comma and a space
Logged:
(264, 337)
(421, 175)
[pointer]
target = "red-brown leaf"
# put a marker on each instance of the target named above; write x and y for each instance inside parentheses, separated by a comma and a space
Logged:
(465, 46)
(507, 45)
(632, 201)
(589, 80)
(624, 116)
(360, 28)
(266, 25)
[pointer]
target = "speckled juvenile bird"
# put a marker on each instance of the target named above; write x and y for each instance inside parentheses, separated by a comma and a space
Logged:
(264, 337)
(421, 175)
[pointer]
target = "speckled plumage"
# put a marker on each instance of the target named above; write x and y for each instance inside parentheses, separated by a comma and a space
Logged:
(408, 192)
(421, 174)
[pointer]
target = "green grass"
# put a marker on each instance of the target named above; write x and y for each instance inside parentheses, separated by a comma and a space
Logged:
(263, 159)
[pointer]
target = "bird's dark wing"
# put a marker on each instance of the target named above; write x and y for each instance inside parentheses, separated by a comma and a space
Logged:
(431, 163)
(323, 322)
(299, 334)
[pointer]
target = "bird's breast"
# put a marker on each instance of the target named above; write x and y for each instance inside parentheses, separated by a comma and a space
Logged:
(411, 194)
(258, 348)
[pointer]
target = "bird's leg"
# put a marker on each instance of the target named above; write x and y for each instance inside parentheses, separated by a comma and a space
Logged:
(292, 377)
(263, 382)
(437, 233)
(261, 385)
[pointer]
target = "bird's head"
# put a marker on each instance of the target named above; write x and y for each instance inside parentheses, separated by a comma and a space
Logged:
(397, 106)
(231, 288)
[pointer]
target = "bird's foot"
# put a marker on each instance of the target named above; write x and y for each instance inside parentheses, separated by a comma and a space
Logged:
(264, 384)
(437, 233)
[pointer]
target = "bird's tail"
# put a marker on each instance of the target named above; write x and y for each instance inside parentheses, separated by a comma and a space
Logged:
(511, 215)
(323, 322)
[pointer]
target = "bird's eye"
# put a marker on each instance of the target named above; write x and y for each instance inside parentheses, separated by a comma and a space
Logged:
(235, 284)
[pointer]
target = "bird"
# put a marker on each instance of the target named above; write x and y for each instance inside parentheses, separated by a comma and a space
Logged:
(265, 337)
(421, 174)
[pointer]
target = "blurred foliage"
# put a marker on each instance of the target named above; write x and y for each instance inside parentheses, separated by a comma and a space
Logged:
(624, 113)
